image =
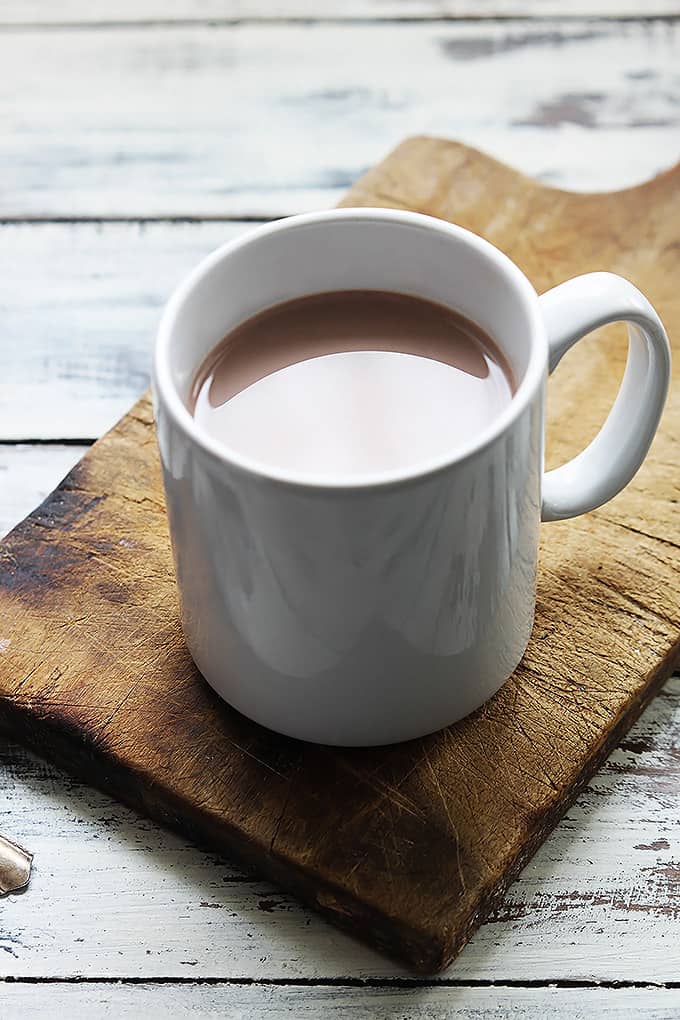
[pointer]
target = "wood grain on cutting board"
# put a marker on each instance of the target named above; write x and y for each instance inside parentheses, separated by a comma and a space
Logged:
(408, 846)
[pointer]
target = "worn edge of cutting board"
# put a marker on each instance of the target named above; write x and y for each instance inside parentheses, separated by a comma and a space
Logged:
(424, 857)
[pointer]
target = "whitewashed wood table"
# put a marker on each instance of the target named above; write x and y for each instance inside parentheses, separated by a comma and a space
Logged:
(136, 136)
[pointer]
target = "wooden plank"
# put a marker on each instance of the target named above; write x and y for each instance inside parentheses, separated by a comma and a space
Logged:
(94, 564)
(27, 475)
(80, 309)
(81, 340)
(268, 119)
(421, 1003)
(114, 896)
(79, 12)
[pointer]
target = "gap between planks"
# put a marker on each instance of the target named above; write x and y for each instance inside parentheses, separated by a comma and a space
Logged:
(342, 982)
(157, 13)
(333, 19)
(48, 441)
(138, 221)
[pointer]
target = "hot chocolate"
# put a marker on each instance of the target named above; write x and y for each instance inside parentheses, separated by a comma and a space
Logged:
(351, 383)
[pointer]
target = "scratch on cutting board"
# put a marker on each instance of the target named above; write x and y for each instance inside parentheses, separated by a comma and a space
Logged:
(15, 866)
(5, 642)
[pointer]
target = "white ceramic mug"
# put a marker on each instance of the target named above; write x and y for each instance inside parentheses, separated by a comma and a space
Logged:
(368, 612)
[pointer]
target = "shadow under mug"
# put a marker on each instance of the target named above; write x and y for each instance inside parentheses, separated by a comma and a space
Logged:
(369, 612)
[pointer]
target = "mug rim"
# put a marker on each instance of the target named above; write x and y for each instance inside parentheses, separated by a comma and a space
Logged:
(167, 395)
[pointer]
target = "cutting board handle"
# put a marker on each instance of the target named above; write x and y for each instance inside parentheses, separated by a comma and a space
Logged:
(572, 310)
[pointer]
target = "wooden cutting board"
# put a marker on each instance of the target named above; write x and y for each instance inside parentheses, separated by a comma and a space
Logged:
(408, 847)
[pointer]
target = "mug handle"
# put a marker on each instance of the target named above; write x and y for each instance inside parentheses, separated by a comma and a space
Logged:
(570, 311)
